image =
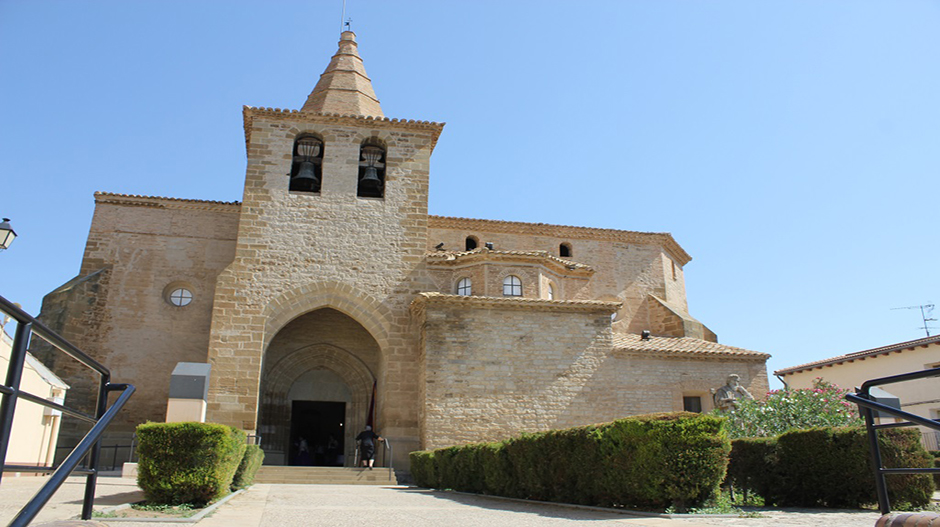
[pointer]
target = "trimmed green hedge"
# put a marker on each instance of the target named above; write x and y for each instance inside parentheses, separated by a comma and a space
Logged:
(829, 467)
(187, 462)
(652, 461)
(251, 462)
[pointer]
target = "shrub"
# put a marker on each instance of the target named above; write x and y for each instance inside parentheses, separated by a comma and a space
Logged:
(752, 465)
(794, 409)
(251, 462)
(653, 461)
(830, 467)
(187, 462)
(423, 469)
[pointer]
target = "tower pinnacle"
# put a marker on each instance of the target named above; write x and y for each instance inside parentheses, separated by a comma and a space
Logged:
(344, 87)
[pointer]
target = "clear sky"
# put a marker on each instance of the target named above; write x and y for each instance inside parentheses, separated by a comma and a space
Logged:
(791, 147)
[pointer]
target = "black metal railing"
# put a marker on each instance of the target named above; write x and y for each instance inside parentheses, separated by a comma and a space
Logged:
(90, 446)
(868, 406)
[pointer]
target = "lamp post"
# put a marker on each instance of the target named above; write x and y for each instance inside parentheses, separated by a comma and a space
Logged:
(7, 234)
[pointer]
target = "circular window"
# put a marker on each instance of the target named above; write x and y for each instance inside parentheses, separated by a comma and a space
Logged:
(180, 297)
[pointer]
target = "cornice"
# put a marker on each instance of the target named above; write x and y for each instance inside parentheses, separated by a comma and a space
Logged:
(480, 255)
(663, 239)
(134, 200)
(250, 112)
(529, 304)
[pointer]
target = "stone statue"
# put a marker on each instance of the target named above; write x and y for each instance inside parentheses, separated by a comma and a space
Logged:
(726, 397)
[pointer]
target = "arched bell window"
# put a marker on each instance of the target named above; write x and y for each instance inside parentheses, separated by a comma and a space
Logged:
(306, 171)
(512, 286)
(371, 170)
(464, 287)
(564, 250)
(472, 243)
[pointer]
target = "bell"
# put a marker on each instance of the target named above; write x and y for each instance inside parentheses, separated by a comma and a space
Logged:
(371, 178)
(306, 178)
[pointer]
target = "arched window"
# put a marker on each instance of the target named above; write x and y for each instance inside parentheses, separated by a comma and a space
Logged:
(512, 286)
(371, 170)
(306, 171)
(551, 291)
(472, 242)
(564, 250)
(464, 287)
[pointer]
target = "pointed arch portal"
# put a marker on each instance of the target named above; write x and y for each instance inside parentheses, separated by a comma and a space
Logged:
(316, 389)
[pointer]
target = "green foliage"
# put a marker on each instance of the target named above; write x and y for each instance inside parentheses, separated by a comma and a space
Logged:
(785, 410)
(829, 467)
(423, 469)
(250, 463)
(651, 461)
(751, 465)
(187, 462)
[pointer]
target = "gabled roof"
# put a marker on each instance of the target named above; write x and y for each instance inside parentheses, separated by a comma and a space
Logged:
(683, 346)
(861, 355)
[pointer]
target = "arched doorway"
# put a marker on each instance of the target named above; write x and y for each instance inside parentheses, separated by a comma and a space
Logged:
(317, 381)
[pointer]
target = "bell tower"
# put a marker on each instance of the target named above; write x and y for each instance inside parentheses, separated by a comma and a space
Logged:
(334, 215)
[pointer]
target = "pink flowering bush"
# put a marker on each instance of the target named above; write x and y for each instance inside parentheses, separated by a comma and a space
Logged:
(784, 410)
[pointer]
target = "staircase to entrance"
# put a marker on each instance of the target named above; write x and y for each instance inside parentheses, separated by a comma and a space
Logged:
(325, 475)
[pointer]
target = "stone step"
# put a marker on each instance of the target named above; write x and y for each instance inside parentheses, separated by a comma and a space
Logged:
(324, 475)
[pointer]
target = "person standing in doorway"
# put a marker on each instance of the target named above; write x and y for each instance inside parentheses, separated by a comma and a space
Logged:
(367, 439)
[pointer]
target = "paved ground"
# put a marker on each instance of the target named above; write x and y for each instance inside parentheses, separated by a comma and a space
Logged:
(339, 505)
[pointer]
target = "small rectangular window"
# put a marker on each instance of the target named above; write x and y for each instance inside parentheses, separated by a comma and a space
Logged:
(692, 404)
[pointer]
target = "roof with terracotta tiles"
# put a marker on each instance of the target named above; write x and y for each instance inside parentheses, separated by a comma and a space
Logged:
(159, 201)
(663, 239)
(482, 253)
(685, 346)
(860, 355)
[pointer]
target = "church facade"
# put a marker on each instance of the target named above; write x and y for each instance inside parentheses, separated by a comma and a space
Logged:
(329, 297)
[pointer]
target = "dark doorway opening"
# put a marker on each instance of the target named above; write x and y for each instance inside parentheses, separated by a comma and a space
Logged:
(316, 433)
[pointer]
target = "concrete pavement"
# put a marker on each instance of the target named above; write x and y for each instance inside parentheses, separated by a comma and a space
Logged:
(266, 505)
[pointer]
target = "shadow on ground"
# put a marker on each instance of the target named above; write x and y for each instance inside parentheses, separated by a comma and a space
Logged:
(540, 508)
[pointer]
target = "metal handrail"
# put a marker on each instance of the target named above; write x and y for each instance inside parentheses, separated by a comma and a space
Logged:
(90, 446)
(867, 407)
(387, 453)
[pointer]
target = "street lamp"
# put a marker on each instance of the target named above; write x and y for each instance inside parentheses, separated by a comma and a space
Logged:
(7, 234)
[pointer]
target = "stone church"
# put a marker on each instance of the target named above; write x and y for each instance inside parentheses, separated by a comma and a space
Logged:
(328, 298)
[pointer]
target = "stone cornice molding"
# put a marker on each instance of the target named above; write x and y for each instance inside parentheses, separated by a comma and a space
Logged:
(134, 200)
(249, 113)
(686, 355)
(528, 304)
(483, 255)
(662, 239)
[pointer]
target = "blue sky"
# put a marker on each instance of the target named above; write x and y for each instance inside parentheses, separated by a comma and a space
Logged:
(791, 147)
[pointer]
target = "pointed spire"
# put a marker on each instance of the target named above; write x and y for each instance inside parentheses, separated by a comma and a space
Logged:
(344, 87)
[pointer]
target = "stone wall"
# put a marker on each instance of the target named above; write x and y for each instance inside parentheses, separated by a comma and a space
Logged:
(496, 367)
(628, 265)
(117, 309)
(297, 252)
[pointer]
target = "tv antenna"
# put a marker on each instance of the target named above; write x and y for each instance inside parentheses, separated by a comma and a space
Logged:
(926, 311)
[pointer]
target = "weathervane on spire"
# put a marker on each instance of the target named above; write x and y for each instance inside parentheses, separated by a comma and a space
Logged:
(345, 21)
